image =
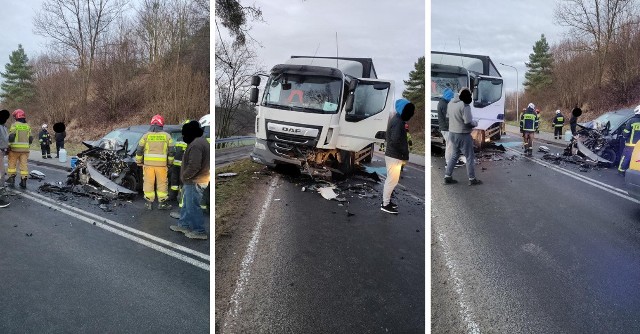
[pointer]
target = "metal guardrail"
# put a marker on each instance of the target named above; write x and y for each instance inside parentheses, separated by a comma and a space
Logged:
(236, 141)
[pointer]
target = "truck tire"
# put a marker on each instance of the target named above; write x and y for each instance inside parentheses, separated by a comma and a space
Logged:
(346, 165)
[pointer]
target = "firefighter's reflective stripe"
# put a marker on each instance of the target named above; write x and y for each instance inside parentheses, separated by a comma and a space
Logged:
(180, 147)
(155, 157)
(174, 188)
(21, 141)
(634, 136)
(181, 197)
(559, 121)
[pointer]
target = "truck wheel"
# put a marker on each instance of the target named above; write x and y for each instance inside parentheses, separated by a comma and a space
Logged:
(346, 164)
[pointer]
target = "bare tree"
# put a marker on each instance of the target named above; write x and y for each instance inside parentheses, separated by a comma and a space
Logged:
(234, 67)
(596, 23)
(76, 27)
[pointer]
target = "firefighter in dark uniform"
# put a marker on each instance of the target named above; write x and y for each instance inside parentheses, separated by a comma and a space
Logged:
(558, 123)
(631, 134)
(174, 181)
(529, 126)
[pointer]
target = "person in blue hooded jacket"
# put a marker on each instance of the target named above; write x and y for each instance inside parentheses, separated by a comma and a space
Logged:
(396, 151)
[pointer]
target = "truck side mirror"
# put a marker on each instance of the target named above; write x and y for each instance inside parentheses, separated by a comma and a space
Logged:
(255, 80)
(253, 98)
(353, 85)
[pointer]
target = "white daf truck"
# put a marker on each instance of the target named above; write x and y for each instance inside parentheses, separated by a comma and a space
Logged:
(457, 70)
(321, 113)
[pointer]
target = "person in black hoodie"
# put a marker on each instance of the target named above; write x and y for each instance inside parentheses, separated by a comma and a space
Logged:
(396, 152)
(61, 134)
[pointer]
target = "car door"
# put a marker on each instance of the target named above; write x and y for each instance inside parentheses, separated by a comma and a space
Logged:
(366, 113)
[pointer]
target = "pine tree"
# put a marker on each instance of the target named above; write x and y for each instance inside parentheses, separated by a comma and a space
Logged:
(540, 65)
(17, 88)
(415, 87)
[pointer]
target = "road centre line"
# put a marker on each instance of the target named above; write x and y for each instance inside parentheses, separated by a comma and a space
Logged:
(616, 191)
(247, 260)
(105, 224)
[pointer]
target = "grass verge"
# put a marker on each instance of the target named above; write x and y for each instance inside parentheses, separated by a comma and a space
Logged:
(232, 193)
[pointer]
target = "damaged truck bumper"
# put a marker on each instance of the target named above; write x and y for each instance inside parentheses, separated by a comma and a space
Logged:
(263, 155)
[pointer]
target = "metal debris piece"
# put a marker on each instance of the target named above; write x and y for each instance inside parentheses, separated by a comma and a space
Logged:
(227, 174)
(36, 174)
(543, 149)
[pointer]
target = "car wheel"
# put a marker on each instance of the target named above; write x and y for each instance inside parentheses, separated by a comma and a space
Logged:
(130, 183)
(609, 154)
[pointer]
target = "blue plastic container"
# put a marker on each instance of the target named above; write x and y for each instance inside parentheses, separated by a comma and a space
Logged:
(74, 160)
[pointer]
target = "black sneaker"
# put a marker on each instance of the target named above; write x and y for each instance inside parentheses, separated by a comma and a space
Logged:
(475, 182)
(389, 209)
(449, 180)
(3, 203)
(393, 205)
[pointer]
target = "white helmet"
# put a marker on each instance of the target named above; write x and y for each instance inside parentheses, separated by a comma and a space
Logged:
(44, 126)
(205, 120)
(637, 110)
(558, 111)
(531, 105)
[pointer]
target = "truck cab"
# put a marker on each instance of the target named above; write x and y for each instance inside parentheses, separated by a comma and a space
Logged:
(321, 113)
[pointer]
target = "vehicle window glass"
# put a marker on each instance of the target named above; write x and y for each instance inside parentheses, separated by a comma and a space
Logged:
(370, 98)
(306, 93)
(442, 81)
(489, 91)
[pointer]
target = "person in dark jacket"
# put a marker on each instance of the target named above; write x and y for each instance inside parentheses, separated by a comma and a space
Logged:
(529, 126)
(45, 142)
(461, 124)
(573, 121)
(396, 152)
(194, 174)
(558, 123)
(631, 134)
(60, 135)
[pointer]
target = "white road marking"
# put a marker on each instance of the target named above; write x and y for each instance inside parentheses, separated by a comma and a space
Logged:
(247, 260)
(608, 188)
(465, 310)
(104, 224)
(124, 227)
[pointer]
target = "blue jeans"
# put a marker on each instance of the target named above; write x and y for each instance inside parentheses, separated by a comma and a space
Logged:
(191, 214)
(461, 142)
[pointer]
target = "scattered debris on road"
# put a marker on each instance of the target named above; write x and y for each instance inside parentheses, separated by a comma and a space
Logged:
(227, 174)
(36, 174)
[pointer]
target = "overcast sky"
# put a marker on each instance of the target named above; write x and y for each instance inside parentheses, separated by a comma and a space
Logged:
(16, 27)
(392, 35)
(505, 30)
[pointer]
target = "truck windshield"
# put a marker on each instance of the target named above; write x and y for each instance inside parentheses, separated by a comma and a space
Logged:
(307, 93)
(441, 81)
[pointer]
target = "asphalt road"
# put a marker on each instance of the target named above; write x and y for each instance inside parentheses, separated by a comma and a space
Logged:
(311, 265)
(538, 248)
(68, 266)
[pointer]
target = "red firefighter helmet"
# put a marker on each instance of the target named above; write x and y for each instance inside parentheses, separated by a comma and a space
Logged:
(157, 120)
(18, 113)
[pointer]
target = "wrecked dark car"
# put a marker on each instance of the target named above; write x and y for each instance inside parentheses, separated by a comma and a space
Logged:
(110, 161)
(603, 135)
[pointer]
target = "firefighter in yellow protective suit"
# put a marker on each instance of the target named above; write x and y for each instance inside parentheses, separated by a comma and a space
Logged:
(155, 154)
(174, 170)
(20, 139)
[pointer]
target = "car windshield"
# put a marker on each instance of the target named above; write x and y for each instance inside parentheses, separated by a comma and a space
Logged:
(125, 135)
(307, 93)
(616, 119)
